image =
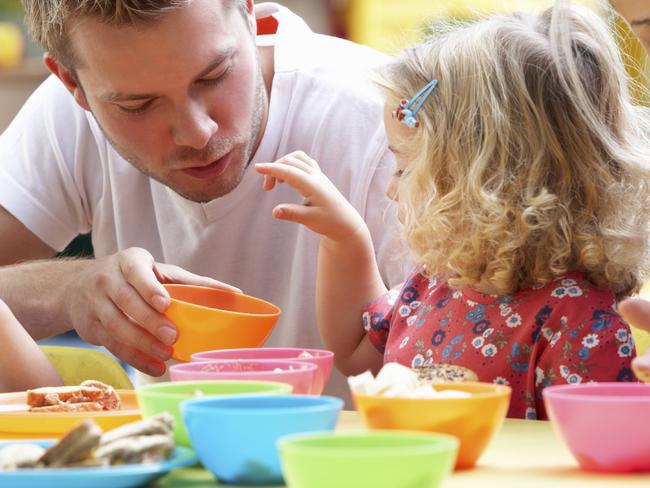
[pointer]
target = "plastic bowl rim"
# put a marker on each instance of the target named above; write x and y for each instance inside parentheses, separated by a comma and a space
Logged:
(323, 353)
(277, 312)
(567, 392)
(498, 392)
(440, 442)
(158, 390)
(304, 366)
(327, 403)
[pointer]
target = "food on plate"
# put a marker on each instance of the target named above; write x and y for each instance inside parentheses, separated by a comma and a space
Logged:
(442, 372)
(136, 449)
(16, 456)
(396, 380)
(75, 446)
(160, 424)
(89, 396)
(305, 355)
(145, 441)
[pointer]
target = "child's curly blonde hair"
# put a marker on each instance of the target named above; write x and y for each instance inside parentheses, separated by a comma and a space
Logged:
(530, 160)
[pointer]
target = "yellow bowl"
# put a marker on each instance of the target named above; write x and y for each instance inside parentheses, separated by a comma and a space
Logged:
(473, 420)
(207, 319)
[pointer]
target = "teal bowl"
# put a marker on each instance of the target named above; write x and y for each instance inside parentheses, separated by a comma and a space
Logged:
(167, 396)
(235, 438)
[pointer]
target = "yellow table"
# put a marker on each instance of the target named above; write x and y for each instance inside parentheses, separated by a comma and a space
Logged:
(523, 454)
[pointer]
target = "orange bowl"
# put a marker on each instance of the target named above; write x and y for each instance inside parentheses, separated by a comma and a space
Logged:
(474, 420)
(208, 318)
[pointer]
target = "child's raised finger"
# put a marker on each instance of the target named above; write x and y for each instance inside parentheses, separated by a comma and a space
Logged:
(269, 183)
(293, 212)
(295, 177)
(302, 157)
(296, 162)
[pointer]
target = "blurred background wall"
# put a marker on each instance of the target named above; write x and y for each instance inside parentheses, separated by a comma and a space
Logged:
(384, 24)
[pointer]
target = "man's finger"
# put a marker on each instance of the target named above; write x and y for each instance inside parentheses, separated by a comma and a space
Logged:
(175, 274)
(636, 311)
(137, 267)
(128, 303)
(122, 330)
(147, 364)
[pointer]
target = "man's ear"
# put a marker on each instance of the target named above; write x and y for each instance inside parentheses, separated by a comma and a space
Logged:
(68, 80)
(250, 8)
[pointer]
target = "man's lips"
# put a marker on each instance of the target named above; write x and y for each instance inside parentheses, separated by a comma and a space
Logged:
(215, 168)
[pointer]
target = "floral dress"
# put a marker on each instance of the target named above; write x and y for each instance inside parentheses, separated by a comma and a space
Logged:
(566, 331)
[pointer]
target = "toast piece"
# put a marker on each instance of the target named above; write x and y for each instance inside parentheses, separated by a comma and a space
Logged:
(75, 446)
(69, 407)
(161, 424)
(91, 393)
(136, 449)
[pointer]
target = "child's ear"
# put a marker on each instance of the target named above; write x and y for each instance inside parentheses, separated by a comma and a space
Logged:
(68, 79)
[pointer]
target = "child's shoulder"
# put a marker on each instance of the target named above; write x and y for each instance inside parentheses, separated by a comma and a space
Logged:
(571, 294)
(574, 285)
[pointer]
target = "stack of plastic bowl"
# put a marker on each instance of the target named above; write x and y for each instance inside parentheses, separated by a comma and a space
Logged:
(473, 420)
(377, 459)
(208, 318)
(323, 359)
(235, 438)
(605, 425)
(166, 397)
(299, 375)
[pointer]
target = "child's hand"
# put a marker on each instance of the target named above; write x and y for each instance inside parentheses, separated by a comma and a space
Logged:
(324, 209)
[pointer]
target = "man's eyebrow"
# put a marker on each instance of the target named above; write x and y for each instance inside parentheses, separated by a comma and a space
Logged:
(645, 21)
(116, 96)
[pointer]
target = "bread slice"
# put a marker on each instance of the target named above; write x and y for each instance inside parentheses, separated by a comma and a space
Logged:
(88, 392)
(69, 407)
(74, 446)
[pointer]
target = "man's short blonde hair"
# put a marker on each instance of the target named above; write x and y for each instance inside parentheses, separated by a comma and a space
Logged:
(48, 20)
(531, 160)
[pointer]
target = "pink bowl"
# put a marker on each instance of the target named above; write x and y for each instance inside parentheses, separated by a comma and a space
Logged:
(605, 425)
(299, 375)
(322, 358)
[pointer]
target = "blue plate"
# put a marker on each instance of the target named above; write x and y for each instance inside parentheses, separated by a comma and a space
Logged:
(122, 476)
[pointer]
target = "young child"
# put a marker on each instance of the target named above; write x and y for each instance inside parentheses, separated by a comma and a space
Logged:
(22, 364)
(523, 188)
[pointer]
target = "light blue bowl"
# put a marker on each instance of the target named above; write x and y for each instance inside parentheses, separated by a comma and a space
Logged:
(235, 437)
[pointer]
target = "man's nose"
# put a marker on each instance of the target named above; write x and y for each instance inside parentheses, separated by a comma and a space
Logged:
(193, 126)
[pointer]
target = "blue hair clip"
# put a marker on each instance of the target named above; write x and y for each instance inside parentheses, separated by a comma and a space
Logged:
(408, 109)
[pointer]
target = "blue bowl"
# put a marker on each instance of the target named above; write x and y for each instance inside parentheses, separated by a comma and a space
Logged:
(235, 437)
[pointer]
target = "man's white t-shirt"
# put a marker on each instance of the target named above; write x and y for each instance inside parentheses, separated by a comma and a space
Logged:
(60, 177)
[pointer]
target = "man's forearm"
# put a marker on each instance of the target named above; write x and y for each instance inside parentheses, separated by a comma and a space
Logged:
(35, 293)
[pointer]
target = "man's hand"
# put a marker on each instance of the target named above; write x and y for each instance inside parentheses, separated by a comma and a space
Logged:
(118, 302)
(636, 311)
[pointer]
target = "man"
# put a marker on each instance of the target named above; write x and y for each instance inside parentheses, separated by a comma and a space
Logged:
(147, 135)
(635, 310)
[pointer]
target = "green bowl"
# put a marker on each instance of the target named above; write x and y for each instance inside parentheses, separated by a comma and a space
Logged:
(167, 396)
(381, 459)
